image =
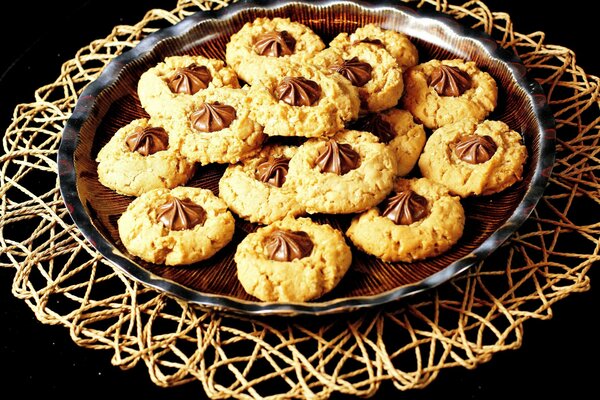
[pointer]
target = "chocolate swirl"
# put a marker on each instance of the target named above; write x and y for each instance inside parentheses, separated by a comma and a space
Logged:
(449, 81)
(337, 158)
(283, 245)
(148, 140)
(179, 215)
(275, 44)
(378, 126)
(212, 117)
(475, 149)
(190, 79)
(298, 91)
(357, 72)
(273, 171)
(406, 207)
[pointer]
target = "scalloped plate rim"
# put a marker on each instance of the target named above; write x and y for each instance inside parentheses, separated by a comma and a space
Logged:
(67, 175)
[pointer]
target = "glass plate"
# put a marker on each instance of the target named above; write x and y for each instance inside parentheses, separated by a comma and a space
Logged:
(111, 101)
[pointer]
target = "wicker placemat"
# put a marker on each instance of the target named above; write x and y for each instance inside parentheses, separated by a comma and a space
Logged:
(463, 323)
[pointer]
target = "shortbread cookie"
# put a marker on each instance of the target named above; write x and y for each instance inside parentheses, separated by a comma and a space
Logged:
(438, 93)
(473, 158)
(292, 260)
(217, 127)
(301, 100)
(256, 188)
(175, 227)
(141, 156)
(420, 219)
(396, 43)
(398, 130)
(348, 173)
(371, 69)
(166, 88)
(260, 44)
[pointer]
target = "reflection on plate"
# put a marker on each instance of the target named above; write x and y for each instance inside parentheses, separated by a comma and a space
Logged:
(111, 102)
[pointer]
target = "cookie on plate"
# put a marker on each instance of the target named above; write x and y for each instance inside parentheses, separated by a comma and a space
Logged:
(256, 188)
(348, 173)
(216, 127)
(371, 69)
(176, 227)
(264, 42)
(474, 158)
(396, 43)
(302, 100)
(166, 88)
(141, 156)
(399, 131)
(292, 260)
(438, 92)
(420, 219)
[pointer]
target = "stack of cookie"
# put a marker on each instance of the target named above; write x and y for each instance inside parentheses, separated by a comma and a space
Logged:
(359, 110)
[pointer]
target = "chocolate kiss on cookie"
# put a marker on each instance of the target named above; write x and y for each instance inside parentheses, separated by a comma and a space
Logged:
(212, 117)
(337, 158)
(285, 245)
(475, 149)
(406, 207)
(273, 171)
(357, 72)
(378, 126)
(275, 44)
(449, 81)
(190, 79)
(179, 215)
(298, 91)
(148, 140)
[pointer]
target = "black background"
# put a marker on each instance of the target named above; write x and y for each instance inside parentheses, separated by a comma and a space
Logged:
(558, 357)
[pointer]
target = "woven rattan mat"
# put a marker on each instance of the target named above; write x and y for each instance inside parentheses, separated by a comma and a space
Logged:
(463, 323)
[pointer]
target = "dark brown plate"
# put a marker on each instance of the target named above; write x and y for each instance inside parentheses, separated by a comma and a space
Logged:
(111, 102)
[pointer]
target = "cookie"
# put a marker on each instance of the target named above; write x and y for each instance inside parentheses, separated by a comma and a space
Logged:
(399, 131)
(438, 92)
(371, 69)
(301, 100)
(263, 43)
(348, 173)
(167, 87)
(396, 43)
(256, 188)
(142, 156)
(176, 227)
(420, 219)
(216, 127)
(292, 260)
(473, 158)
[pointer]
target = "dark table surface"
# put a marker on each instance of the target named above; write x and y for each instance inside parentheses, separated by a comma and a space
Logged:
(41, 360)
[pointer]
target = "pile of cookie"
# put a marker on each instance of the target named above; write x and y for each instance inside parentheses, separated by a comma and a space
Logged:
(361, 107)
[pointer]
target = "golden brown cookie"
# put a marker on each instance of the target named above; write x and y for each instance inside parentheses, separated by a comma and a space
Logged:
(142, 156)
(399, 131)
(175, 227)
(348, 173)
(438, 92)
(216, 127)
(420, 219)
(472, 158)
(292, 260)
(167, 87)
(371, 69)
(396, 43)
(257, 189)
(301, 100)
(264, 42)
